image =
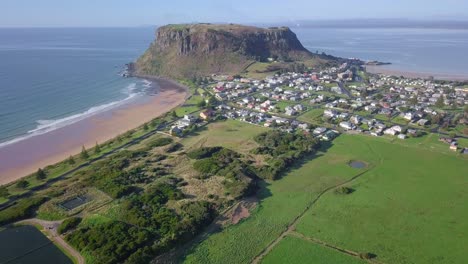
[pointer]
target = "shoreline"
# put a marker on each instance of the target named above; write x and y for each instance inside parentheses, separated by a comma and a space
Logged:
(22, 158)
(383, 69)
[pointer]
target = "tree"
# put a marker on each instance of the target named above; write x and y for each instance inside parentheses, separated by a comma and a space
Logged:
(71, 160)
(364, 93)
(413, 100)
(84, 153)
(4, 192)
(145, 126)
(435, 119)
(174, 114)
(452, 134)
(465, 109)
(440, 102)
(97, 149)
(201, 104)
(40, 174)
(212, 101)
(22, 184)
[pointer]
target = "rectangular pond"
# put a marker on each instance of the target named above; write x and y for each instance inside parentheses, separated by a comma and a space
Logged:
(27, 245)
(74, 202)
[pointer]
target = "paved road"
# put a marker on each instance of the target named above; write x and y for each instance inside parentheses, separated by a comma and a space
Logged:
(50, 228)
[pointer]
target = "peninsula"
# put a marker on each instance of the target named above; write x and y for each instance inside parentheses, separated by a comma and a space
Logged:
(289, 153)
(185, 51)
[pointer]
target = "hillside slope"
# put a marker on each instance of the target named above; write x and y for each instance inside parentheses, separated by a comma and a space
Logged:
(202, 49)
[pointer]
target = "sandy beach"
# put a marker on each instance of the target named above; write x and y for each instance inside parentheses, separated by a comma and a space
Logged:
(409, 74)
(25, 157)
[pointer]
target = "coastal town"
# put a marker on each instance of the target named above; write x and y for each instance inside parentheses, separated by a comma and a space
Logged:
(338, 100)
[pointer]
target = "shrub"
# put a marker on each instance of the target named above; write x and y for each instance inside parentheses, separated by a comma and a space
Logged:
(159, 142)
(71, 160)
(206, 166)
(22, 209)
(174, 147)
(344, 190)
(84, 153)
(112, 242)
(23, 184)
(68, 224)
(204, 152)
(40, 174)
(367, 255)
(4, 192)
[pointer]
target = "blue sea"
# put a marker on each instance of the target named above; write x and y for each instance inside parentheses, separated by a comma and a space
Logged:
(438, 51)
(50, 78)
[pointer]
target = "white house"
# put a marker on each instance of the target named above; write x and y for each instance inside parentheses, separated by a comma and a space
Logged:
(347, 125)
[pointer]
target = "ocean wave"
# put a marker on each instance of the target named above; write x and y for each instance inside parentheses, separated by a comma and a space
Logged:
(45, 126)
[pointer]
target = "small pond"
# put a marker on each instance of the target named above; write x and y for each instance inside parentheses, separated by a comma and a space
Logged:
(71, 204)
(27, 245)
(357, 164)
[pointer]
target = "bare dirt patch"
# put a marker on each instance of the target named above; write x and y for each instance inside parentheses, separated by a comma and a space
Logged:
(241, 210)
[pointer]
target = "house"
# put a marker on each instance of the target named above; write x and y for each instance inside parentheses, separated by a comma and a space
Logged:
(402, 136)
(205, 115)
(386, 111)
(347, 125)
(397, 128)
(190, 118)
(319, 130)
(175, 130)
(423, 122)
(329, 135)
(290, 111)
(330, 113)
(390, 132)
(356, 120)
(446, 140)
(408, 116)
(370, 108)
(182, 123)
(304, 127)
(453, 147)
(343, 115)
(465, 151)
(299, 108)
(221, 96)
(412, 132)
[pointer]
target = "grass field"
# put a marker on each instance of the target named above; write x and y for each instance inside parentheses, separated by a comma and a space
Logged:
(295, 250)
(258, 70)
(232, 134)
(281, 202)
(313, 116)
(408, 207)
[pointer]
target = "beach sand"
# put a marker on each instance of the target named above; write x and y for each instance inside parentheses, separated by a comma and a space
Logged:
(25, 157)
(409, 74)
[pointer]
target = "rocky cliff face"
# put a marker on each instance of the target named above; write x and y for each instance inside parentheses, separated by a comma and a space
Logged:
(200, 49)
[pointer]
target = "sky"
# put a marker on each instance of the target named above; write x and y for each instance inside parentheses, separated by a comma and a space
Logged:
(101, 13)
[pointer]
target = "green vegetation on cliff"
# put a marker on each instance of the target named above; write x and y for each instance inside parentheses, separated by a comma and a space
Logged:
(203, 49)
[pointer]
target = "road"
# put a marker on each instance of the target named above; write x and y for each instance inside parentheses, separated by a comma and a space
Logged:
(134, 141)
(50, 228)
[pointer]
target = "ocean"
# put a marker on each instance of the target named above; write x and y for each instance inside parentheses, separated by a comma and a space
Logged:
(438, 51)
(50, 78)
